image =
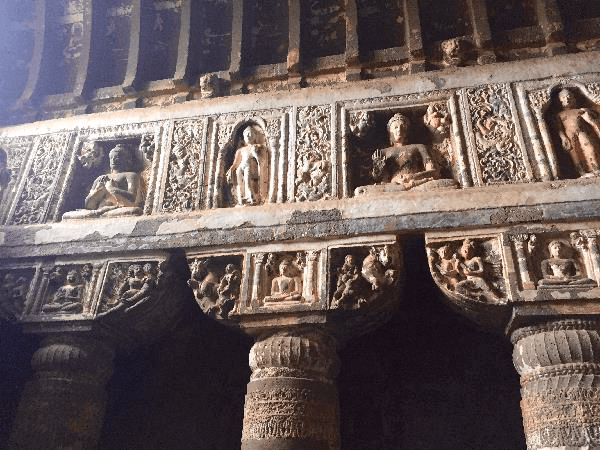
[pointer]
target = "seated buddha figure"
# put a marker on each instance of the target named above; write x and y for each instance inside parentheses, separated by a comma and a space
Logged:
(67, 298)
(117, 193)
(559, 269)
(285, 287)
(402, 166)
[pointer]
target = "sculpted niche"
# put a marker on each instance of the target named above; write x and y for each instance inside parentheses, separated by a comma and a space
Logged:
(119, 192)
(247, 174)
(403, 166)
(576, 125)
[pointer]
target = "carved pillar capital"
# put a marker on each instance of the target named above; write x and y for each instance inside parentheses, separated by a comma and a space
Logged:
(559, 364)
(63, 406)
(291, 401)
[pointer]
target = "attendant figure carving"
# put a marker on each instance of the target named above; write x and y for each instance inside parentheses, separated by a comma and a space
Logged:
(379, 268)
(402, 166)
(118, 193)
(285, 287)
(579, 132)
(67, 299)
(138, 286)
(473, 270)
(560, 269)
(348, 284)
(216, 297)
(449, 265)
(248, 172)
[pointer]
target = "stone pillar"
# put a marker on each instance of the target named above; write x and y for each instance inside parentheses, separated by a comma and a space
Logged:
(559, 364)
(291, 400)
(63, 406)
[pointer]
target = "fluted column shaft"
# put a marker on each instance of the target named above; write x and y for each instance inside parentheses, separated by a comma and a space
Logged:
(559, 364)
(63, 406)
(291, 400)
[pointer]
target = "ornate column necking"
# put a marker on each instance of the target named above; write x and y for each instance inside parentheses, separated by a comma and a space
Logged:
(559, 364)
(291, 401)
(63, 406)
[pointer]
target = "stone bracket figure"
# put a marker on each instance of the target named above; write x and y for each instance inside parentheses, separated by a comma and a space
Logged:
(463, 271)
(248, 174)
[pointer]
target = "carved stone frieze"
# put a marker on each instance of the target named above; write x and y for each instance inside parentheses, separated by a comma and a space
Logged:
(38, 186)
(495, 137)
(313, 153)
(182, 185)
(15, 154)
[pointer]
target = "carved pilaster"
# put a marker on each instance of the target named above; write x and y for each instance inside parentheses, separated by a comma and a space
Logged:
(291, 401)
(559, 366)
(64, 405)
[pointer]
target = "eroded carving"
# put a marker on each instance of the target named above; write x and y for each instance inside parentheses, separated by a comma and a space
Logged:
(248, 175)
(469, 268)
(579, 132)
(91, 154)
(313, 153)
(402, 166)
(455, 52)
(121, 192)
(361, 123)
(497, 145)
(210, 85)
(181, 189)
(14, 287)
(217, 289)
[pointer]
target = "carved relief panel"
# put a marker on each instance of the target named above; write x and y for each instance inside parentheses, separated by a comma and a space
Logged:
(494, 136)
(112, 173)
(471, 268)
(339, 275)
(246, 163)
(16, 152)
(564, 124)
(37, 190)
(555, 263)
(397, 144)
(216, 282)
